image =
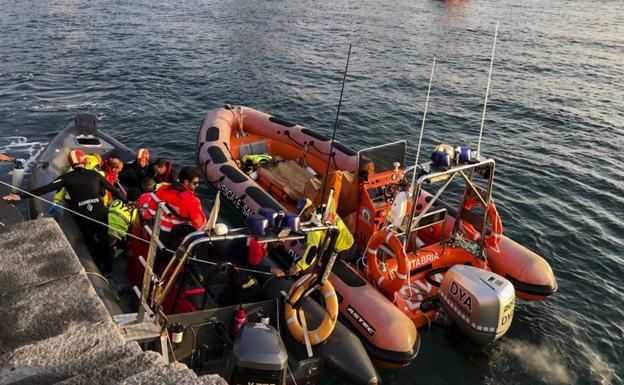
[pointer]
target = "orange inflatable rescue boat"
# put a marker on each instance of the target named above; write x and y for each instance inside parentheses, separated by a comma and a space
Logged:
(432, 265)
(260, 161)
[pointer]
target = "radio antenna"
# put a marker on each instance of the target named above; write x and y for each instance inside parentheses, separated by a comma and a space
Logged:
(422, 127)
(487, 91)
(331, 146)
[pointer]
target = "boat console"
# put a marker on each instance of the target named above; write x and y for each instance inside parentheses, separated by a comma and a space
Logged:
(380, 177)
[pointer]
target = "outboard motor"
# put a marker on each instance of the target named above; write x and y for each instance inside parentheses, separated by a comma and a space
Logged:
(258, 357)
(480, 302)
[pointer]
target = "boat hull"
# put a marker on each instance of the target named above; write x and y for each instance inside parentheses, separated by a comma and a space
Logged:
(219, 147)
(389, 336)
(82, 134)
(342, 353)
(531, 275)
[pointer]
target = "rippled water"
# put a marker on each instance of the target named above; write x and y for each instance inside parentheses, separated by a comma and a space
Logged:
(555, 124)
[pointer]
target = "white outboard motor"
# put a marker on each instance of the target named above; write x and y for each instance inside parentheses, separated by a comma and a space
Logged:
(480, 302)
(258, 357)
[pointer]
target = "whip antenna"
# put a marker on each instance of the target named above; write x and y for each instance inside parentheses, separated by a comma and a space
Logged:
(331, 146)
(487, 91)
(422, 127)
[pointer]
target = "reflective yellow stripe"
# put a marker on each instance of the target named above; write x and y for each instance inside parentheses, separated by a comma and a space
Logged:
(249, 283)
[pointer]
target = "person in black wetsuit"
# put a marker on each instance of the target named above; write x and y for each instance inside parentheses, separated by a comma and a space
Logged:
(85, 188)
(134, 172)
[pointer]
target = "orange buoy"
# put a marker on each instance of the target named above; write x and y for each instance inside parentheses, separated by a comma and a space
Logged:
(328, 324)
(383, 281)
(491, 240)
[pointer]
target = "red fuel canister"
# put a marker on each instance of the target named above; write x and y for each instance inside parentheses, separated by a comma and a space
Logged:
(239, 320)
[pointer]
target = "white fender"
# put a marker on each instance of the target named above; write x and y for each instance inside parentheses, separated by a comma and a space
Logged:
(399, 208)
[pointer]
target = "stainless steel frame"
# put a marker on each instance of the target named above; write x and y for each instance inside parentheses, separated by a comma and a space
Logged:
(467, 173)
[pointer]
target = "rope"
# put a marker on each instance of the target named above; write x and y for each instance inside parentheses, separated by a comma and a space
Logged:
(77, 213)
(99, 276)
(305, 144)
(124, 232)
(277, 310)
(236, 267)
(170, 346)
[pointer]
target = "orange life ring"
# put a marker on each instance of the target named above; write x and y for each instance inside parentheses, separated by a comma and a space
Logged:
(492, 239)
(326, 327)
(386, 285)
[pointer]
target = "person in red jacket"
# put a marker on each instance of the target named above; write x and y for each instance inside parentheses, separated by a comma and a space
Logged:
(148, 185)
(180, 199)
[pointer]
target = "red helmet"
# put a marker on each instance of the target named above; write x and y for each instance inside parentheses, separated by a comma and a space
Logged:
(76, 157)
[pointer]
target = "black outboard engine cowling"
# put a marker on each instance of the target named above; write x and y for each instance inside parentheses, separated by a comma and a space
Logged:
(258, 357)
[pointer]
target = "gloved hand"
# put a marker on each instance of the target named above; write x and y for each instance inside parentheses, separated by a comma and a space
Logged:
(54, 209)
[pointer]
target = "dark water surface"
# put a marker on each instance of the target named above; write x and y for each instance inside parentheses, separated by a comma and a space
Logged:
(555, 124)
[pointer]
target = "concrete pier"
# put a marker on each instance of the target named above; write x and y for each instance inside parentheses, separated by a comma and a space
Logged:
(53, 327)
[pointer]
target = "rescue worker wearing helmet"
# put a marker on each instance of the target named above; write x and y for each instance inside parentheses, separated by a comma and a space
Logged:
(92, 162)
(134, 172)
(345, 245)
(180, 199)
(84, 186)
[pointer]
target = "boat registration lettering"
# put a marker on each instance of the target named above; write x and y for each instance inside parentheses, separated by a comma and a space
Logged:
(360, 320)
(235, 200)
(424, 260)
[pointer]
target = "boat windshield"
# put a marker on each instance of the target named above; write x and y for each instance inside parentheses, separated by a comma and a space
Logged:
(381, 158)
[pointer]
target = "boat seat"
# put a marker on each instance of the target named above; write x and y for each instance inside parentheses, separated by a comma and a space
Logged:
(260, 147)
(288, 176)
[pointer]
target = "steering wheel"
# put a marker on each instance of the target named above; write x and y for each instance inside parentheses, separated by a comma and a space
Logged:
(390, 191)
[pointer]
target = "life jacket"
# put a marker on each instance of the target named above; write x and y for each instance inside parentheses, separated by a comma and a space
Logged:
(145, 199)
(112, 178)
(184, 206)
(164, 178)
(143, 204)
(257, 252)
(120, 217)
(251, 161)
(315, 239)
